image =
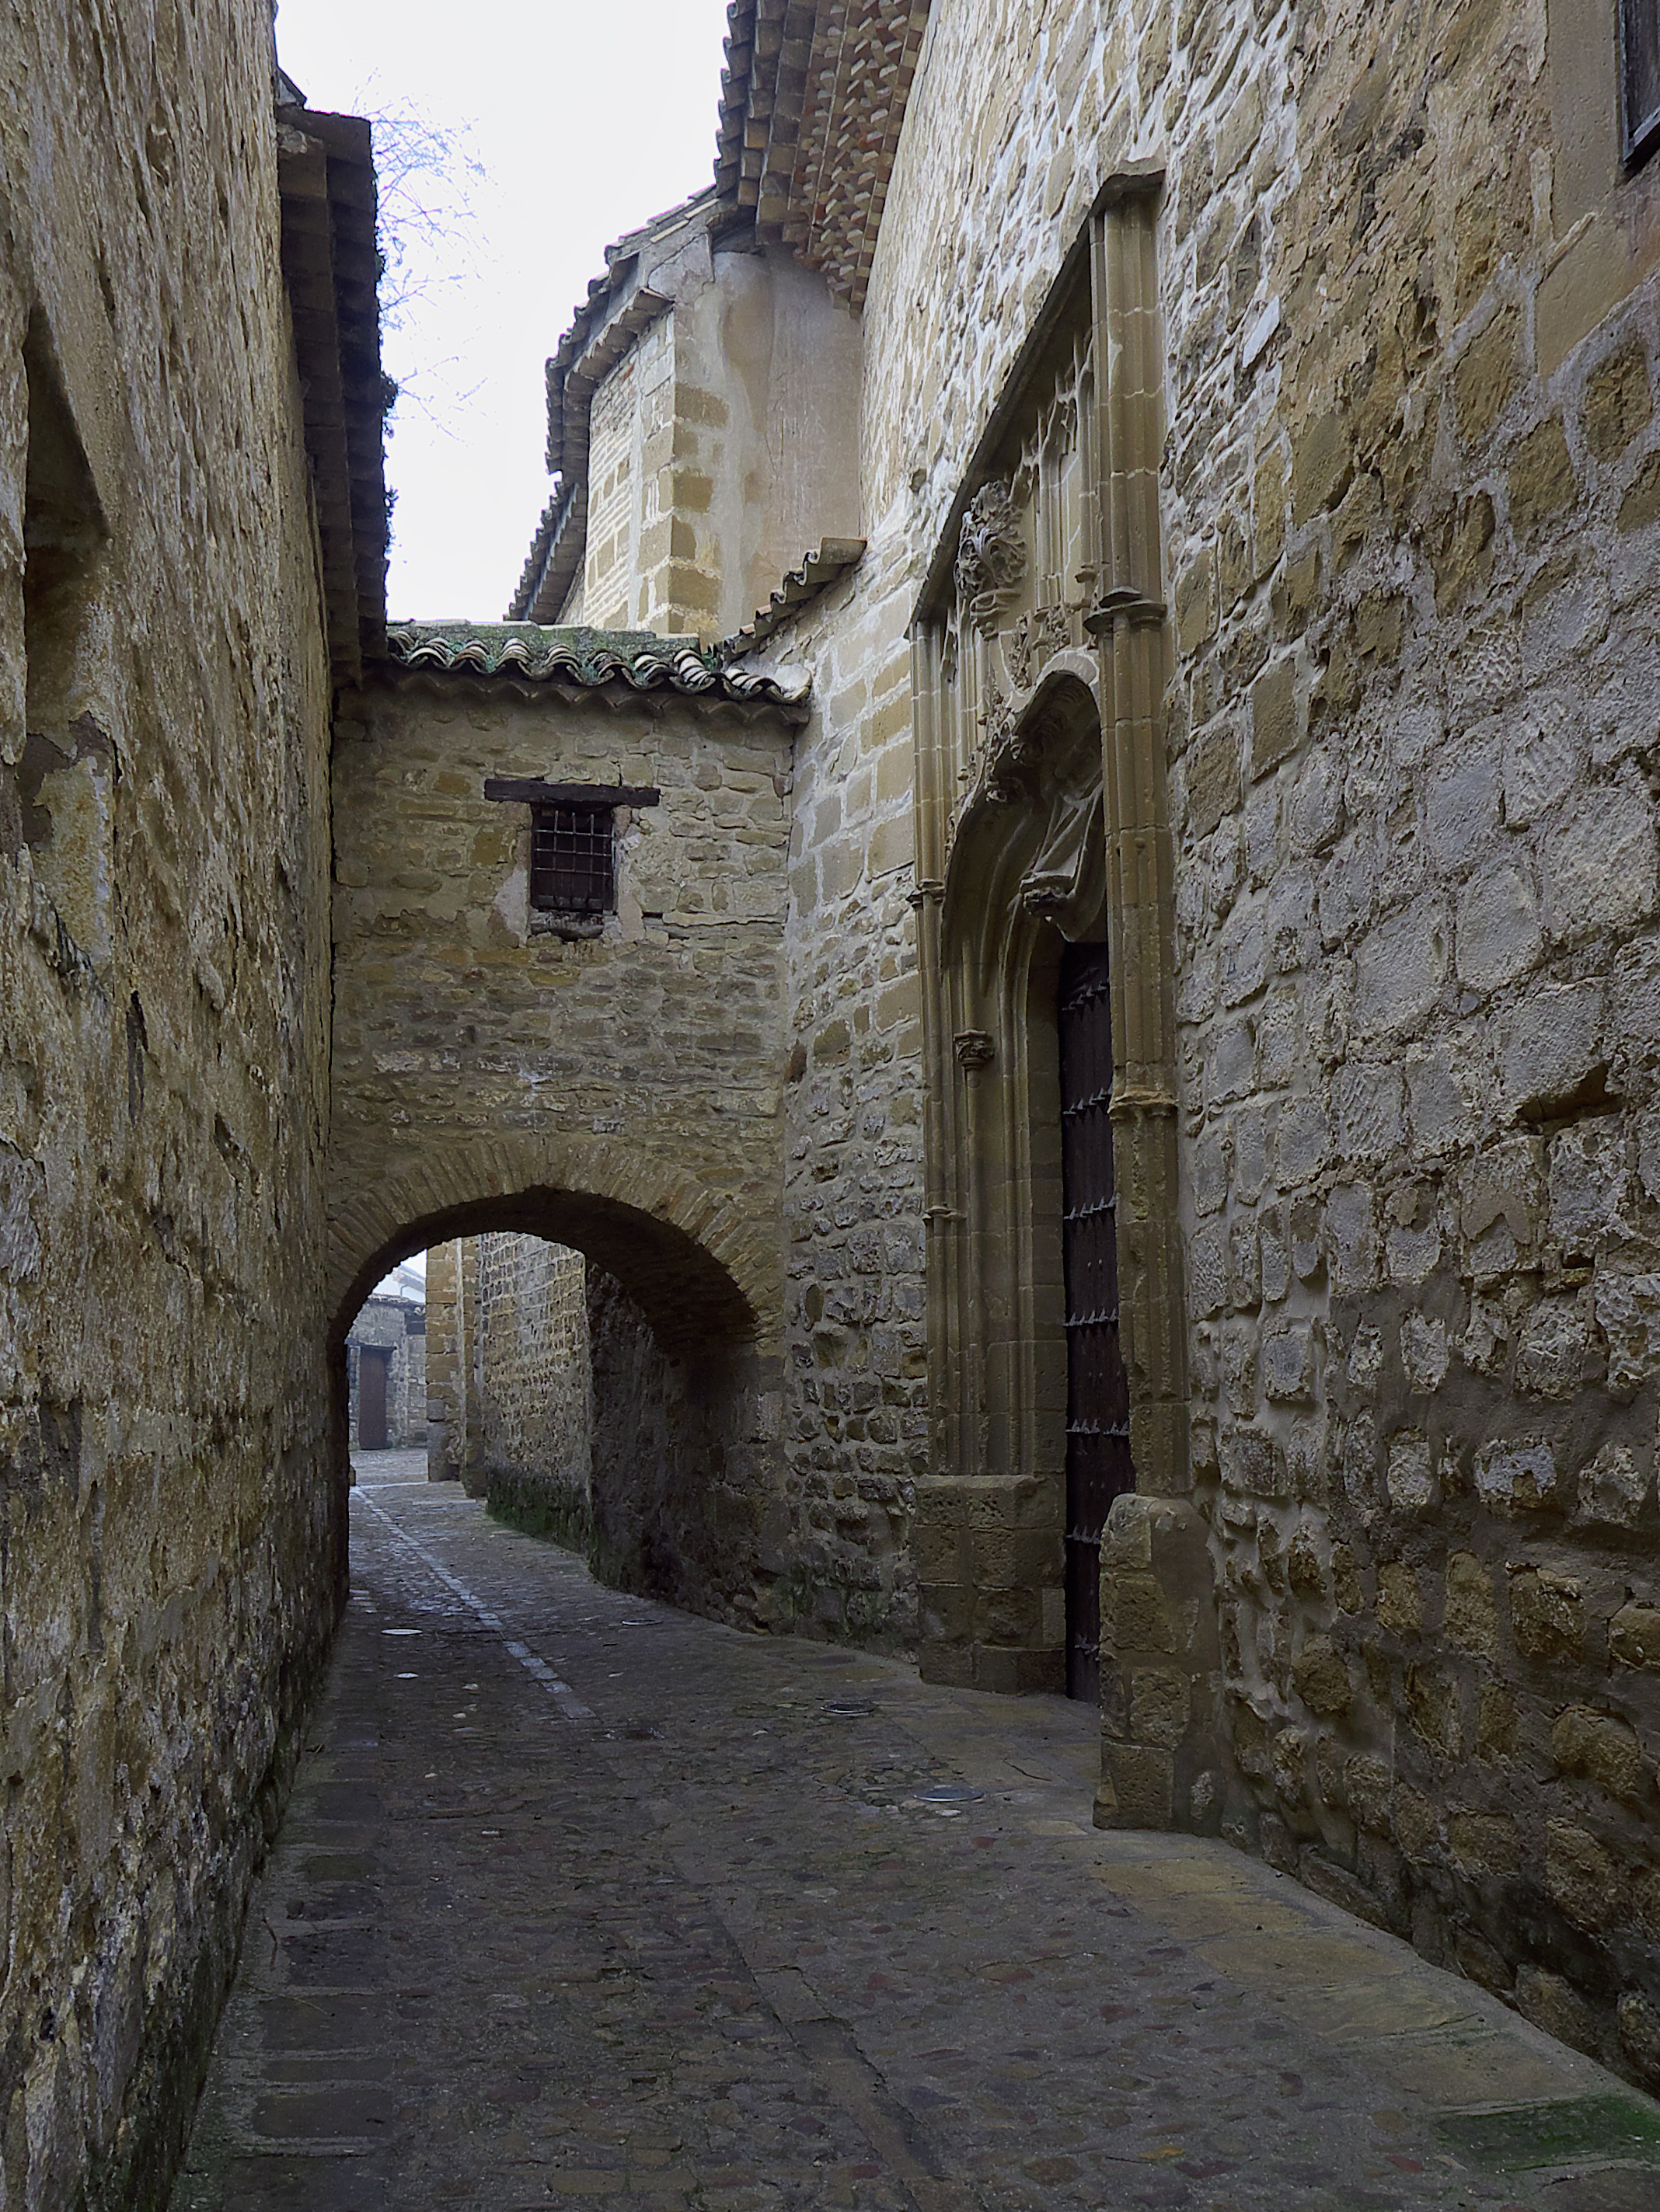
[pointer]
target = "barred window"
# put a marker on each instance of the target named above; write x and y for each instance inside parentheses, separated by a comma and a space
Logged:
(572, 847)
(1639, 78)
(572, 867)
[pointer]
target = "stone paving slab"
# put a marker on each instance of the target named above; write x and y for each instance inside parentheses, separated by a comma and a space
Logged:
(580, 1900)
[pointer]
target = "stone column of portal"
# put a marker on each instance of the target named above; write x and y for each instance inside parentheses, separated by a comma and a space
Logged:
(1159, 1652)
(443, 1363)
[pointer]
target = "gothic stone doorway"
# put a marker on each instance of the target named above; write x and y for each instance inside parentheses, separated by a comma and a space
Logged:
(1023, 906)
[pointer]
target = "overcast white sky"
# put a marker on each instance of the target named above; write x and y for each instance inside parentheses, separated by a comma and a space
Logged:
(587, 117)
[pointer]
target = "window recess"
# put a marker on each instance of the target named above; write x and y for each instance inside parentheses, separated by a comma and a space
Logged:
(1640, 79)
(573, 858)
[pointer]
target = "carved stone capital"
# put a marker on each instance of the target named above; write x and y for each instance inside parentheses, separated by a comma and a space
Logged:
(974, 1049)
(1123, 604)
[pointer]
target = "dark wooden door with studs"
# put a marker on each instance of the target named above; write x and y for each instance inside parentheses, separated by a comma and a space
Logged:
(1098, 1391)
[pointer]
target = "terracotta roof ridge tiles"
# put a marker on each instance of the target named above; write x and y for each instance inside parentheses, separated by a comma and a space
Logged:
(536, 652)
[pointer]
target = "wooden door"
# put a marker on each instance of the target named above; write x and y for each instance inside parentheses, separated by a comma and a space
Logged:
(372, 1361)
(1097, 1391)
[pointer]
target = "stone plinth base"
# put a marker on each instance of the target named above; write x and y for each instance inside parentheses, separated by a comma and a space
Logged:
(1160, 1763)
(989, 1573)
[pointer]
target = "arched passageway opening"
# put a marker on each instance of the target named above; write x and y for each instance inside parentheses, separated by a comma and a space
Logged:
(656, 1453)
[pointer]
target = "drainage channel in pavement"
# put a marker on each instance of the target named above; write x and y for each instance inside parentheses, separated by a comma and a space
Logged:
(581, 1897)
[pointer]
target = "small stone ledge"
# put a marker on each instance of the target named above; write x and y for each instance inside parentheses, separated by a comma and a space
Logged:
(835, 558)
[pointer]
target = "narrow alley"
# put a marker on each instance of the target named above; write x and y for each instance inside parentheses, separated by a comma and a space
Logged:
(579, 1899)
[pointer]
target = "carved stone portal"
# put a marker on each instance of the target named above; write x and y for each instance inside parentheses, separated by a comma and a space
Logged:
(1040, 655)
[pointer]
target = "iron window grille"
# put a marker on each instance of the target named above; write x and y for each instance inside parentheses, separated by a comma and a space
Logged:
(1640, 79)
(573, 866)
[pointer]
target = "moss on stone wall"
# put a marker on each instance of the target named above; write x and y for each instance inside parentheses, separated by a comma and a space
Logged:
(525, 1500)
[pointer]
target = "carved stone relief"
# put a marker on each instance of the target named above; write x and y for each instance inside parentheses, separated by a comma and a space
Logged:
(991, 553)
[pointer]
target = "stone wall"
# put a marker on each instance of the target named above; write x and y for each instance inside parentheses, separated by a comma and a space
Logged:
(856, 1422)
(684, 1499)
(170, 1532)
(616, 1094)
(1408, 506)
(1413, 579)
(530, 1356)
(571, 1416)
(720, 445)
(446, 1403)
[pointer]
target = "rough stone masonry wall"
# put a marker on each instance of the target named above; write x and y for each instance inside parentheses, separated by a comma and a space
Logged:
(532, 1363)
(1410, 506)
(1415, 579)
(677, 1460)
(168, 1531)
(856, 1436)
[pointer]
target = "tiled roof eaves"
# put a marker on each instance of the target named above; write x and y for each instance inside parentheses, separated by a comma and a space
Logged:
(600, 331)
(588, 323)
(833, 561)
(557, 549)
(545, 578)
(572, 661)
(813, 100)
(331, 268)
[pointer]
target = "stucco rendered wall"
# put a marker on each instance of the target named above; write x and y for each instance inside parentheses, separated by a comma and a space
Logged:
(170, 1530)
(767, 395)
(1410, 518)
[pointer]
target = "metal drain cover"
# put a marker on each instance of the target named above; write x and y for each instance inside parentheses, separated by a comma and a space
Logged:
(847, 1709)
(947, 1793)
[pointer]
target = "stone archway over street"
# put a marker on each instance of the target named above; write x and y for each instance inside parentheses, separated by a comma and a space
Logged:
(605, 1072)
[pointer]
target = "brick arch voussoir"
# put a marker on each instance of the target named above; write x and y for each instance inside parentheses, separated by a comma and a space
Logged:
(699, 1268)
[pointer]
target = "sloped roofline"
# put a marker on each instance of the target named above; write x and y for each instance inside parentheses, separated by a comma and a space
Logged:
(570, 660)
(620, 305)
(813, 100)
(331, 267)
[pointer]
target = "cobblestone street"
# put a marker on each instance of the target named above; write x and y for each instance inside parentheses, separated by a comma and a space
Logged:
(580, 1898)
